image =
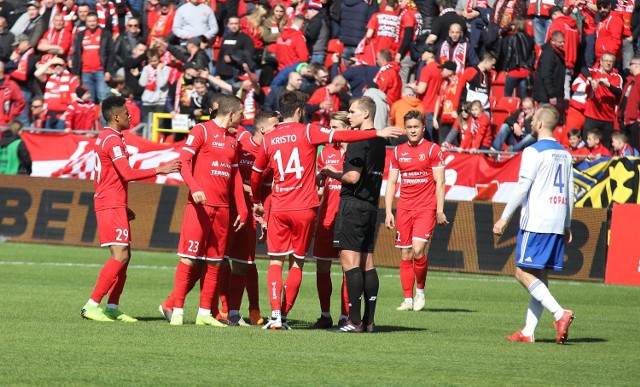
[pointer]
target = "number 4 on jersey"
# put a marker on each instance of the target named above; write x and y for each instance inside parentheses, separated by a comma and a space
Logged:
(558, 181)
(293, 164)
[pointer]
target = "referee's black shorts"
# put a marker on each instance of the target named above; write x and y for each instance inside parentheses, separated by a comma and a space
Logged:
(355, 227)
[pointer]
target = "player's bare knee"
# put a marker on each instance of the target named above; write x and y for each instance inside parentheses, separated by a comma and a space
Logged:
(406, 254)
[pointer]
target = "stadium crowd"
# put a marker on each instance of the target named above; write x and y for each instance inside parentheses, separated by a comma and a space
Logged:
(477, 69)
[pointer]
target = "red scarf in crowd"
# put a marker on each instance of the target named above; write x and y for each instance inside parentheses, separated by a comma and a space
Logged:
(459, 55)
(151, 80)
(20, 73)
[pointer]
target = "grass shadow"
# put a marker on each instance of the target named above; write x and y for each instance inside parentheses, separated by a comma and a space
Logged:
(150, 319)
(449, 310)
(576, 340)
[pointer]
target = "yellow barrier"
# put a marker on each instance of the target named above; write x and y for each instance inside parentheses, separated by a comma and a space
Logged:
(156, 129)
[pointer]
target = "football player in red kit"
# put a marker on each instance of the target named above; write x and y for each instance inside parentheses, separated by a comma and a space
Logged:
(112, 176)
(420, 206)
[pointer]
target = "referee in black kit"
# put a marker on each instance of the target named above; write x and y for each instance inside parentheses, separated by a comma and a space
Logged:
(355, 228)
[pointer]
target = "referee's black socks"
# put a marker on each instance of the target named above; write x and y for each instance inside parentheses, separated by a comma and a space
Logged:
(371, 285)
(355, 281)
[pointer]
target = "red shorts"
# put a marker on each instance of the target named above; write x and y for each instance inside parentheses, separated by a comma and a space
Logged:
(323, 243)
(290, 232)
(414, 224)
(204, 232)
(242, 244)
(113, 227)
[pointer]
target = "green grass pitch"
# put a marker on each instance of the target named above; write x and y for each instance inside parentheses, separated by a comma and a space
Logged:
(458, 339)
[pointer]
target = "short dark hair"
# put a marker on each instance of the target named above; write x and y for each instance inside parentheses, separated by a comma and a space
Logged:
(153, 53)
(414, 115)
(262, 117)
(392, 3)
(489, 55)
(596, 132)
(92, 13)
(290, 101)
(111, 105)
(229, 104)
(365, 103)
(574, 132)
(386, 54)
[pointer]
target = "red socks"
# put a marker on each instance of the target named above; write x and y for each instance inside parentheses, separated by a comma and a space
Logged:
(420, 267)
(291, 289)
(251, 283)
(236, 290)
(323, 282)
(181, 284)
(196, 272)
(118, 286)
(209, 286)
(407, 277)
(223, 288)
(274, 286)
(107, 278)
(344, 305)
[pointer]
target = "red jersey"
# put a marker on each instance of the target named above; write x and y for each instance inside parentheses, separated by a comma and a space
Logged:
(599, 150)
(386, 31)
(112, 171)
(247, 154)
(81, 116)
(410, 18)
(609, 35)
(209, 160)
(625, 9)
(323, 116)
(91, 51)
(432, 76)
(332, 155)
(61, 38)
(601, 103)
(290, 151)
(59, 89)
(389, 81)
(291, 47)
(481, 132)
(416, 164)
(255, 33)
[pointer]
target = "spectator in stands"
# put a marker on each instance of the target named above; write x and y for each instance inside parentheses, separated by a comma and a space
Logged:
(381, 119)
(402, 106)
(195, 19)
(56, 41)
(81, 114)
(154, 79)
(477, 15)
(59, 83)
(383, 29)
(621, 147)
(428, 85)
(539, 11)
(475, 83)
(123, 47)
(460, 131)
(457, 49)
(577, 147)
(549, 84)
(132, 108)
(21, 66)
(6, 38)
(482, 135)
(411, 25)
(290, 47)
(37, 114)
(306, 70)
(160, 20)
(11, 98)
(354, 16)
(604, 91)
(578, 102)
(388, 77)
(92, 54)
(609, 31)
(325, 101)
(251, 25)
(80, 23)
(317, 31)
(568, 26)
(321, 78)
(442, 24)
(14, 155)
(445, 111)
(192, 54)
(8, 12)
(272, 103)
(594, 143)
(515, 132)
(272, 26)
(515, 53)
(116, 86)
(628, 114)
(236, 53)
(356, 73)
(124, 14)
(506, 12)
(132, 70)
(31, 24)
(107, 17)
(200, 98)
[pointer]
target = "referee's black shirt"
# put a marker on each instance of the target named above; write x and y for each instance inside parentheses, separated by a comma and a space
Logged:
(370, 156)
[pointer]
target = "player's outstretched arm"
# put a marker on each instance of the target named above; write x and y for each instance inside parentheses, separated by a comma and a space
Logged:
(170, 167)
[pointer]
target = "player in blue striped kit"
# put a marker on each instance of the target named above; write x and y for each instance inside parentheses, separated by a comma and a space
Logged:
(545, 190)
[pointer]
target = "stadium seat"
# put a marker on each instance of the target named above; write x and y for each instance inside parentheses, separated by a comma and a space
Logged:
(493, 101)
(503, 109)
(497, 86)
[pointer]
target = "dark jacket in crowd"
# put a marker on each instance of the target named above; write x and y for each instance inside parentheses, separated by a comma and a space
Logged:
(123, 48)
(516, 51)
(132, 81)
(6, 45)
(199, 61)
(550, 75)
(355, 15)
(240, 49)
(106, 52)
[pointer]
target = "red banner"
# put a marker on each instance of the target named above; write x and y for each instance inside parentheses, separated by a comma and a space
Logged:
(623, 258)
(468, 177)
